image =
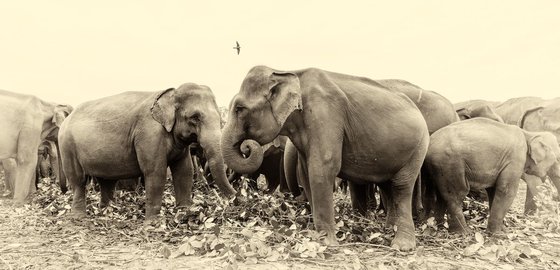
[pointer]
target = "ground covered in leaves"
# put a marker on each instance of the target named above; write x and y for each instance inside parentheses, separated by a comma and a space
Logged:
(258, 230)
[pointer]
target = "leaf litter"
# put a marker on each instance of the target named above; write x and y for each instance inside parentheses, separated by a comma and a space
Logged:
(256, 229)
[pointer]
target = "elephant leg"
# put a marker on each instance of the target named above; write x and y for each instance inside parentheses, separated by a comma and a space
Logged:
(79, 184)
(303, 179)
(439, 207)
(417, 207)
(400, 202)
(371, 199)
(56, 163)
(290, 168)
(382, 199)
(207, 174)
(455, 218)
(554, 175)
(282, 177)
(37, 177)
(359, 196)
(387, 204)
(506, 189)
(491, 191)
(44, 167)
(273, 181)
(53, 165)
(107, 191)
(182, 172)
(9, 174)
(26, 165)
(532, 183)
(322, 173)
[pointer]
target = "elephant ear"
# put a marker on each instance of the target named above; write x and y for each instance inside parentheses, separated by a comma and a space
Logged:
(464, 113)
(163, 109)
(538, 149)
(60, 113)
(522, 121)
(284, 95)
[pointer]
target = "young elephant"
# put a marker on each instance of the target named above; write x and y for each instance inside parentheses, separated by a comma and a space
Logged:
(140, 134)
(480, 153)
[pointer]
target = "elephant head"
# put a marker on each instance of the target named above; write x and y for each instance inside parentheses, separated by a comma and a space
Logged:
(257, 114)
(542, 118)
(50, 133)
(543, 153)
(191, 115)
(51, 126)
(479, 111)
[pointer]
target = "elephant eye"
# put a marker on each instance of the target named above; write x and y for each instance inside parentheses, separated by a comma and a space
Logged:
(195, 119)
(239, 109)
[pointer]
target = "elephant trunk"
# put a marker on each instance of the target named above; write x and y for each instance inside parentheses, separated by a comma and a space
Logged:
(57, 166)
(211, 144)
(243, 158)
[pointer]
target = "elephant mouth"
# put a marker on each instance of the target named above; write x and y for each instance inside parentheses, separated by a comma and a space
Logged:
(191, 139)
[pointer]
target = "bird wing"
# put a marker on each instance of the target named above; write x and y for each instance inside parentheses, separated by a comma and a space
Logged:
(237, 43)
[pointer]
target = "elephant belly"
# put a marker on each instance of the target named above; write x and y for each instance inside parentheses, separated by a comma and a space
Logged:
(111, 167)
(482, 176)
(370, 167)
(111, 157)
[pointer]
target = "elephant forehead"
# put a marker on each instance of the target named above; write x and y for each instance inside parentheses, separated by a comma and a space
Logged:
(256, 80)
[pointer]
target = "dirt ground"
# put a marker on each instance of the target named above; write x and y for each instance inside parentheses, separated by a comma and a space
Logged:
(42, 236)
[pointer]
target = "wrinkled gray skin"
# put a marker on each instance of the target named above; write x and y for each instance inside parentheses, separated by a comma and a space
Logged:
(484, 154)
(374, 136)
(26, 122)
(136, 134)
(533, 114)
(477, 108)
(437, 111)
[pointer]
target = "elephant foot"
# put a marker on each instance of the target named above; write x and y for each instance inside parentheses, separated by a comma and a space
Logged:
(330, 240)
(184, 206)
(457, 229)
(18, 204)
(404, 241)
(77, 214)
(154, 224)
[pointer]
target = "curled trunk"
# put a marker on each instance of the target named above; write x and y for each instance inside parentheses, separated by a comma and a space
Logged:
(242, 158)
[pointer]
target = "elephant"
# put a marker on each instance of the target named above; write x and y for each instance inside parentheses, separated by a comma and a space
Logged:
(481, 153)
(140, 134)
(341, 125)
(47, 164)
(437, 111)
(533, 114)
(26, 122)
(477, 108)
(512, 109)
(272, 167)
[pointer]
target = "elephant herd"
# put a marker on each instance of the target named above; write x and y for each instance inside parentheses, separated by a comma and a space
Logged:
(303, 130)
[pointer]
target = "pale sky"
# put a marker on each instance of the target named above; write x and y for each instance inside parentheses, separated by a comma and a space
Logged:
(72, 51)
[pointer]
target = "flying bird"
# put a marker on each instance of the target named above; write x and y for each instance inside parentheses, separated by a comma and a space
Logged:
(238, 48)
